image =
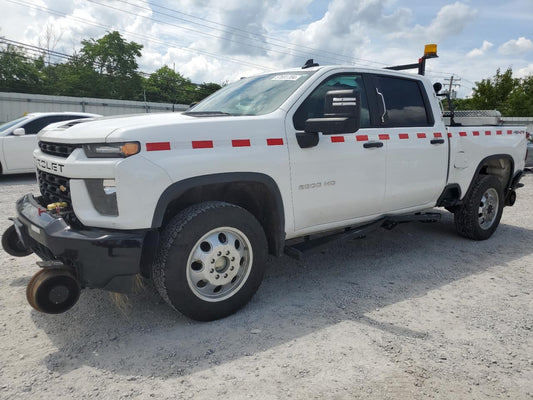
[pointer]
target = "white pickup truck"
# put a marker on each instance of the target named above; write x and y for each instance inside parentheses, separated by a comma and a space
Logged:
(284, 161)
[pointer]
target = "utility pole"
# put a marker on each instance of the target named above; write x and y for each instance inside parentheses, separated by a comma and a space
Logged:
(452, 82)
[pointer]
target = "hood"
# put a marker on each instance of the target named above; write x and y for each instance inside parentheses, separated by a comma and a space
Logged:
(99, 130)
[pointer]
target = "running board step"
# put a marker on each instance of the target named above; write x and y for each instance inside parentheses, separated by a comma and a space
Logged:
(309, 246)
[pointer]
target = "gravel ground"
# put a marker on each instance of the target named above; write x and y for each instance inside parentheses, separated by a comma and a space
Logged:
(416, 312)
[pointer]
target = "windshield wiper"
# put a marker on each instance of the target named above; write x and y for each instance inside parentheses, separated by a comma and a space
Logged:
(206, 113)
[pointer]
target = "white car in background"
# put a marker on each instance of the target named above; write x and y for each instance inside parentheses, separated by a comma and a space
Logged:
(18, 138)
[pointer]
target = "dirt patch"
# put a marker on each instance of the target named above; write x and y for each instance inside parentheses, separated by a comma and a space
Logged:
(416, 312)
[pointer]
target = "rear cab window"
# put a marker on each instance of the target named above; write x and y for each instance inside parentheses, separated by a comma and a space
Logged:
(402, 102)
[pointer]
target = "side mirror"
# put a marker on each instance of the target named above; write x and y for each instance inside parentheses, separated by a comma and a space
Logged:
(19, 132)
(342, 113)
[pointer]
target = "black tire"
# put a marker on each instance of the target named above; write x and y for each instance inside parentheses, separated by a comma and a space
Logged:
(211, 260)
(12, 244)
(479, 215)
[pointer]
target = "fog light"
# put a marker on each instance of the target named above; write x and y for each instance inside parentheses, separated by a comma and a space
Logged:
(110, 187)
(103, 195)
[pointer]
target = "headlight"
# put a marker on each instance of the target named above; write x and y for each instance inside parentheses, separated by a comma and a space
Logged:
(111, 150)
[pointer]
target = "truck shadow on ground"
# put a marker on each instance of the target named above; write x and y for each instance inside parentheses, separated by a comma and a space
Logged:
(346, 282)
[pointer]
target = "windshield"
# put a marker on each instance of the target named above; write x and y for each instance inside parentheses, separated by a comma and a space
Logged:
(257, 95)
(9, 124)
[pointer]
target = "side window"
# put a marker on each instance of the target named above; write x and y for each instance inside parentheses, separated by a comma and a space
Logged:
(36, 125)
(313, 106)
(404, 103)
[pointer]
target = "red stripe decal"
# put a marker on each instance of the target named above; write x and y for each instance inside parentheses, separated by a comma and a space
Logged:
(337, 139)
(462, 133)
(437, 135)
(488, 133)
(202, 144)
(421, 135)
(361, 138)
(275, 142)
(403, 135)
(475, 133)
(384, 136)
(158, 146)
(498, 132)
(509, 132)
(449, 134)
(240, 143)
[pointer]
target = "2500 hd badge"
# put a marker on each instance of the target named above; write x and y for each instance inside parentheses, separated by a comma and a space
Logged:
(49, 165)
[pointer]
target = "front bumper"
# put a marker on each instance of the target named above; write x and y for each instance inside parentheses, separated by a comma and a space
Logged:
(101, 258)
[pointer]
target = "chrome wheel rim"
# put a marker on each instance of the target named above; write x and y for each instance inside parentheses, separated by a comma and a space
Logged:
(488, 208)
(219, 264)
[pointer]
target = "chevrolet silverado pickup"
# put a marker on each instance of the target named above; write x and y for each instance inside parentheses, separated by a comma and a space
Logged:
(281, 162)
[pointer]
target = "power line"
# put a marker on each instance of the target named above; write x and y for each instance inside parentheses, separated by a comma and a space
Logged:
(133, 34)
(245, 34)
(175, 44)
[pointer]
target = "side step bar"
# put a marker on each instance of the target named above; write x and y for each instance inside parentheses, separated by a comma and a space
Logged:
(309, 246)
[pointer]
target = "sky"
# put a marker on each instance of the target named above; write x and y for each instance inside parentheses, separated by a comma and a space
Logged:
(223, 40)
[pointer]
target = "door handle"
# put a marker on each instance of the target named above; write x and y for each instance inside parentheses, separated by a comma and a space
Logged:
(437, 141)
(369, 145)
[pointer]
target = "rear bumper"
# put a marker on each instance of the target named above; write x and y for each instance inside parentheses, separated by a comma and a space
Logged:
(103, 259)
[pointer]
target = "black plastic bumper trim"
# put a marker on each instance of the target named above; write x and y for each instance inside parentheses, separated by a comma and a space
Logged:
(102, 258)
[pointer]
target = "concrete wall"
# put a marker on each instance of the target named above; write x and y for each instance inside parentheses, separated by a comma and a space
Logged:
(14, 105)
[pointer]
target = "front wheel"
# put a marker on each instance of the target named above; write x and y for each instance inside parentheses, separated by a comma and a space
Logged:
(211, 260)
(479, 216)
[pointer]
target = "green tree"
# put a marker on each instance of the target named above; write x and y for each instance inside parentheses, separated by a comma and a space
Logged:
(513, 97)
(205, 89)
(19, 73)
(76, 78)
(115, 61)
(166, 85)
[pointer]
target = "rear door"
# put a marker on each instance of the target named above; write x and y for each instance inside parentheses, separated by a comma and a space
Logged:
(417, 157)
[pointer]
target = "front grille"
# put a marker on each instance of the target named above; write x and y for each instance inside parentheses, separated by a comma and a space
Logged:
(54, 188)
(58, 149)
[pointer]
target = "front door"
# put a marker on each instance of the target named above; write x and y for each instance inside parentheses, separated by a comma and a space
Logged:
(343, 177)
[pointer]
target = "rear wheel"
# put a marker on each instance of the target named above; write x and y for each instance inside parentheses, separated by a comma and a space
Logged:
(211, 260)
(479, 216)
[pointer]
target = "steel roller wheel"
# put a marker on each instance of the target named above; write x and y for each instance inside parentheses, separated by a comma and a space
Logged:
(211, 260)
(53, 291)
(12, 244)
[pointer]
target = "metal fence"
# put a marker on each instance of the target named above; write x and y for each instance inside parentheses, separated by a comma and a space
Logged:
(14, 105)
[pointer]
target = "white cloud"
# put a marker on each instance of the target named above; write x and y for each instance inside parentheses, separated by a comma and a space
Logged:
(216, 41)
(518, 46)
(486, 46)
(523, 72)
